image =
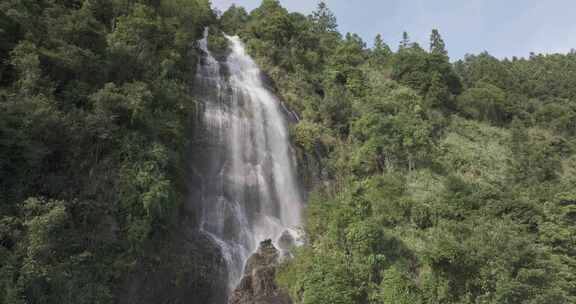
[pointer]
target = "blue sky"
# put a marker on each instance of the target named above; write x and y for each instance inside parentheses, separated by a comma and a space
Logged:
(504, 28)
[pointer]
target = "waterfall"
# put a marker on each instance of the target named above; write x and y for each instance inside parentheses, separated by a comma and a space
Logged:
(249, 186)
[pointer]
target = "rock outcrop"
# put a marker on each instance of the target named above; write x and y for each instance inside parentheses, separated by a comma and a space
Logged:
(258, 285)
(189, 269)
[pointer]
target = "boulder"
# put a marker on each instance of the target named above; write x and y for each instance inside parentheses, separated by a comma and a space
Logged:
(258, 285)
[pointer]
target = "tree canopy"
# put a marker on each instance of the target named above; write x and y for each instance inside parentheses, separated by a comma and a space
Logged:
(428, 181)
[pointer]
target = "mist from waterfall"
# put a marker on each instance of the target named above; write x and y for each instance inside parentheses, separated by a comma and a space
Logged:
(249, 187)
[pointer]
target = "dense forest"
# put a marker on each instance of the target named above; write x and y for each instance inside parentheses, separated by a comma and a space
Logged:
(95, 111)
(428, 181)
(431, 182)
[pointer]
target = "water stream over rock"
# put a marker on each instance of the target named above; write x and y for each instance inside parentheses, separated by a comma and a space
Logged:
(249, 189)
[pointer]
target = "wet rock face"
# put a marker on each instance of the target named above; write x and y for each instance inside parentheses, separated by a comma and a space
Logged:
(189, 269)
(258, 285)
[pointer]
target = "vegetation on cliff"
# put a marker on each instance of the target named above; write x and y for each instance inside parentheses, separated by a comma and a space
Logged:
(431, 181)
(95, 110)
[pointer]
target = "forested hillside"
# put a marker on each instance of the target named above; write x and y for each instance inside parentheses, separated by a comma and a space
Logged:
(95, 114)
(431, 182)
(428, 181)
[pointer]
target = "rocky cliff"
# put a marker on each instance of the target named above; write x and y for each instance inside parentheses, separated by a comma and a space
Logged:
(189, 269)
(258, 285)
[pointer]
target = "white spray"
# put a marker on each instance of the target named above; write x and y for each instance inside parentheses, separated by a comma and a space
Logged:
(251, 191)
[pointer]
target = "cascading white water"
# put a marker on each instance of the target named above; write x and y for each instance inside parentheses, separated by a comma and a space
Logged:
(250, 191)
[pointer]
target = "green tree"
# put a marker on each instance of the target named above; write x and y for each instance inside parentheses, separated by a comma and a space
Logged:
(233, 19)
(325, 29)
(485, 102)
(410, 68)
(95, 106)
(405, 42)
(271, 22)
(323, 19)
(418, 196)
(485, 68)
(437, 45)
(381, 51)
(345, 61)
(438, 95)
(393, 129)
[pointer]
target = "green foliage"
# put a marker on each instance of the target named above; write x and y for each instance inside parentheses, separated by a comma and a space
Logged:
(272, 23)
(95, 112)
(397, 288)
(405, 42)
(306, 135)
(485, 102)
(392, 129)
(124, 105)
(233, 19)
(476, 151)
(483, 67)
(431, 182)
(381, 51)
(437, 45)
(427, 73)
(26, 61)
(323, 19)
(217, 43)
(538, 155)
